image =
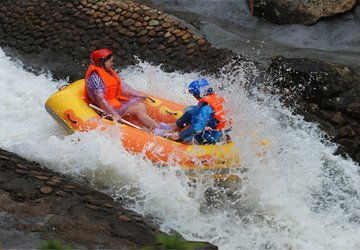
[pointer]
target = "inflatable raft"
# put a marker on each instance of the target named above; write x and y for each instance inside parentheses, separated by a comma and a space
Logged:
(70, 110)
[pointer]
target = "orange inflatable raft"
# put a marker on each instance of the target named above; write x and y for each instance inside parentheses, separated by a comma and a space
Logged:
(70, 110)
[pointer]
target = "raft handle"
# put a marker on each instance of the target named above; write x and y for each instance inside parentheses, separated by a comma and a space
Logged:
(71, 119)
(63, 86)
(171, 113)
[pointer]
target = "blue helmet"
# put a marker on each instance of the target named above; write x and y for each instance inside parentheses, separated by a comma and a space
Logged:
(200, 88)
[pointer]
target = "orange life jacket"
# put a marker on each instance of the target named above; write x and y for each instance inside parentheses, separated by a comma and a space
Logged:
(216, 103)
(112, 85)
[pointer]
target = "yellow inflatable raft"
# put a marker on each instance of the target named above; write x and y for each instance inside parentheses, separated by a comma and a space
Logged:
(69, 109)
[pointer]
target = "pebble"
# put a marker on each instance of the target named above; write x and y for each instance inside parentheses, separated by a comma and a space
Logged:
(41, 177)
(4, 158)
(46, 190)
(72, 187)
(53, 183)
(61, 193)
(92, 207)
(124, 218)
(20, 171)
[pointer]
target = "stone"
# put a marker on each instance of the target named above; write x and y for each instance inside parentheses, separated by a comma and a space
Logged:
(21, 172)
(107, 205)
(111, 13)
(4, 158)
(142, 33)
(338, 118)
(325, 114)
(130, 34)
(41, 177)
(186, 36)
(161, 47)
(46, 190)
(128, 22)
(176, 31)
(71, 187)
(135, 16)
(124, 218)
(171, 39)
(168, 19)
(353, 108)
(181, 33)
(153, 22)
(33, 172)
(298, 11)
(201, 42)
(92, 207)
(115, 17)
(61, 193)
(347, 131)
(53, 183)
(143, 40)
(190, 51)
(21, 166)
(190, 46)
(166, 25)
(161, 17)
(152, 33)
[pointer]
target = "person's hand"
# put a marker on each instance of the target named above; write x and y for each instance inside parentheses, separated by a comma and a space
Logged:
(172, 136)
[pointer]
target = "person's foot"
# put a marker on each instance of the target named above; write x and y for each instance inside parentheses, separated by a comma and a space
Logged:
(159, 132)
(165, 126)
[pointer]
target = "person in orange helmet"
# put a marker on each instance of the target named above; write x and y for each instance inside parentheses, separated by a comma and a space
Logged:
(104, 88)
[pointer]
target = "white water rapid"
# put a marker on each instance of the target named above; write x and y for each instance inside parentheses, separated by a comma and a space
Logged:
(299, 196)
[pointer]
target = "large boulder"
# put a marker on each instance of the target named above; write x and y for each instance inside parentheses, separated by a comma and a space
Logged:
(300, 11)
(325, 93)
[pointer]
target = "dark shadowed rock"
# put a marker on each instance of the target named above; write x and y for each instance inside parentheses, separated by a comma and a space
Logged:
(300, 11)
(70, 212)
(325, 93)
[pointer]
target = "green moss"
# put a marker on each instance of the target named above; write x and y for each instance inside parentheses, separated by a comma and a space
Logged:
(175, 241)
(53, 245)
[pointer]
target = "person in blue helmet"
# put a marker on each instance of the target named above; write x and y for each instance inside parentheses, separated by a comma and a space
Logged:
(204, 123)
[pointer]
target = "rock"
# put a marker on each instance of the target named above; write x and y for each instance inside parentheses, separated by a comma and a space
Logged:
(144, 39)
(46, 190)
(347, 131)
(61, 193)
(21, 172)
(299, 11)
(21, 166)
(201, 42)
(124, 218)
(153, 22)
(128, 22)
(41, 177)
(353, 110)
(53, 183)
(92, 207)
(338, 118)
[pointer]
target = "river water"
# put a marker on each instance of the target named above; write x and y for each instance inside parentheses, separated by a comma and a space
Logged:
(299, 196)
(229, 24)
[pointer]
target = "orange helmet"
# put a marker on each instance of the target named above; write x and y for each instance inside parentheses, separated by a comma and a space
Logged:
(99, 54)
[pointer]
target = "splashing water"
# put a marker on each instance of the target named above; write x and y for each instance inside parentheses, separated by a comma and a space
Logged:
(300, 195)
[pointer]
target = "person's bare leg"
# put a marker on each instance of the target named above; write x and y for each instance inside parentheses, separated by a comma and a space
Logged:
(139, 111)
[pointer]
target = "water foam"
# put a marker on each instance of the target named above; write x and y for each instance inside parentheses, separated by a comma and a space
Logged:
(300, 195)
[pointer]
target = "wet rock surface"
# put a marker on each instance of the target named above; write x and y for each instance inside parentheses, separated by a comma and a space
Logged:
(325, 93)
(38, 204)
(299, 11)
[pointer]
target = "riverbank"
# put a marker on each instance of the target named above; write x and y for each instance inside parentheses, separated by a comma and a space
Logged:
(37, 204)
